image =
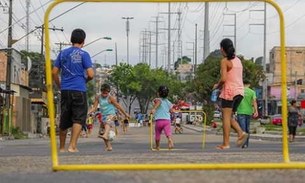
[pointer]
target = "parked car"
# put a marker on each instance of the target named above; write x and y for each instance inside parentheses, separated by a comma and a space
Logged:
(217, 114)
(276, 119)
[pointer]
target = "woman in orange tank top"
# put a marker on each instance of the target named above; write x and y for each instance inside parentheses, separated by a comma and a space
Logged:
(232, 91)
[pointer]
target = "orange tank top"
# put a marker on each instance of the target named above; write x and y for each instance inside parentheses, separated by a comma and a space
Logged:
(234, 83)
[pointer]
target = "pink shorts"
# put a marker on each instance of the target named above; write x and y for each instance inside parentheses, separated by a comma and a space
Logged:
(162, 124)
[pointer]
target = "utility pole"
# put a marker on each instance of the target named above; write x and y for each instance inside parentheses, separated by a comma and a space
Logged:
(193, 50)
(179, 50)
(206, 39)
(169, 39)
(265, 88)
(157, 39)
(169, 36)
(234, 35)
(127, 33)
(61, 44)
(27, 40)
(42, 36)
(195, 59)
(9, 55)
(116, 63)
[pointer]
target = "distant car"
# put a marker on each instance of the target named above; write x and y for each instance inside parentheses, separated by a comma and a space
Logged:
(276, 119)
(217, 114)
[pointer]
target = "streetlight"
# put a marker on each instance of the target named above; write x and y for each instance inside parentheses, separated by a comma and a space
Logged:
(101, 52)
(127, 32)
(107, 38)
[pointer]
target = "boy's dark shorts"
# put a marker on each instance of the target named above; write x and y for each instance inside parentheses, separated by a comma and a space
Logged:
(73, 108)
(233, 104)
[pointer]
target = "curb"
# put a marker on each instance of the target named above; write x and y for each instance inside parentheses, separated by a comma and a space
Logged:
(268, 137)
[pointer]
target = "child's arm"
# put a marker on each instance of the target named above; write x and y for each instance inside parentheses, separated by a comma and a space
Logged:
(118, 106)
(157, 104)
(94, 105)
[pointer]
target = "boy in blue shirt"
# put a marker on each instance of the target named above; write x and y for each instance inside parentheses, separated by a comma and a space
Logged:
(76, 69)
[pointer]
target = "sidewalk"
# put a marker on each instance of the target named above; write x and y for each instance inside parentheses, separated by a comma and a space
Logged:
(265, 136)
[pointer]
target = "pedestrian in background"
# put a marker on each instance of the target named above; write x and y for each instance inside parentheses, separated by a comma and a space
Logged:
(161, 111)
(293, 119)
(75, 67)
(232, 91)
(90, 124)
(246, 109)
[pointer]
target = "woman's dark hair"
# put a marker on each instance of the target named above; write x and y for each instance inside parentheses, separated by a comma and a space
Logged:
(228, 48)
(105, 87)
(163, 91)
(293, 102)
(78, 36)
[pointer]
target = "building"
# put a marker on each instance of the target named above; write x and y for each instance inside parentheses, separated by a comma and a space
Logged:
(295, 64)
(185, 72)
(20, 101)
(295, 75)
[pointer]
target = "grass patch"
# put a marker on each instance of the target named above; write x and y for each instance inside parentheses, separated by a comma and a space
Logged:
(18, 134)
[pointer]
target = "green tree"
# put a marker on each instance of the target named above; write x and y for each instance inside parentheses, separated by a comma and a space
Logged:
(121, 78)
(141, 83)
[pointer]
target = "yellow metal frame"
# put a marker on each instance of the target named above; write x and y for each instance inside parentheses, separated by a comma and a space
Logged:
(56, 167)
(203, 128)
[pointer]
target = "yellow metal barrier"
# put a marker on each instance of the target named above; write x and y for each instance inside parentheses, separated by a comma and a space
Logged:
(50, 96)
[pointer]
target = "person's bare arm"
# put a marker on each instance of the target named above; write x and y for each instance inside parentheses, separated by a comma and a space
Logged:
(223, 74)
(94, 107)
(90, 74)
(255, 114)
(158, 103)
(55, 73)
(118, 106)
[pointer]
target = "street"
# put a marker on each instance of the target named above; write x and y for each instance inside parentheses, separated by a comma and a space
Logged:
(29, 160)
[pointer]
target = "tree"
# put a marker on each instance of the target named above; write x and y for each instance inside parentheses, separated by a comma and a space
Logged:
(141, 83)
(121, 78)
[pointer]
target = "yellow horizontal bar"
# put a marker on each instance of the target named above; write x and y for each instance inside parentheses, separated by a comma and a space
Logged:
(180, 166)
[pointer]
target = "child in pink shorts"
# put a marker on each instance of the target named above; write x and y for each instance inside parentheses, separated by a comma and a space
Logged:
(161, 112)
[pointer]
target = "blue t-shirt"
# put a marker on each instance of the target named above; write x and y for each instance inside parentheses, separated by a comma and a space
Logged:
(73, 63)
(162, 111)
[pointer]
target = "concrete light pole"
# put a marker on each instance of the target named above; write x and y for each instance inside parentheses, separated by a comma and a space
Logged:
(127, 33)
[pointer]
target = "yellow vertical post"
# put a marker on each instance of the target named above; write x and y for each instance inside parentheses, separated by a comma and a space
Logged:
(284, 82)
(151, 131)
(204, 129)
(49, 85)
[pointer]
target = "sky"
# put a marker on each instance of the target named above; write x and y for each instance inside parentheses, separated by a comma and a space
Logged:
(105, 19)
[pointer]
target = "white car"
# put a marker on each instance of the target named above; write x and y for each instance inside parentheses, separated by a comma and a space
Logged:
(217, 114)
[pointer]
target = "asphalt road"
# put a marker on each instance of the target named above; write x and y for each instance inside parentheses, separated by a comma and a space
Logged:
(29, 160)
